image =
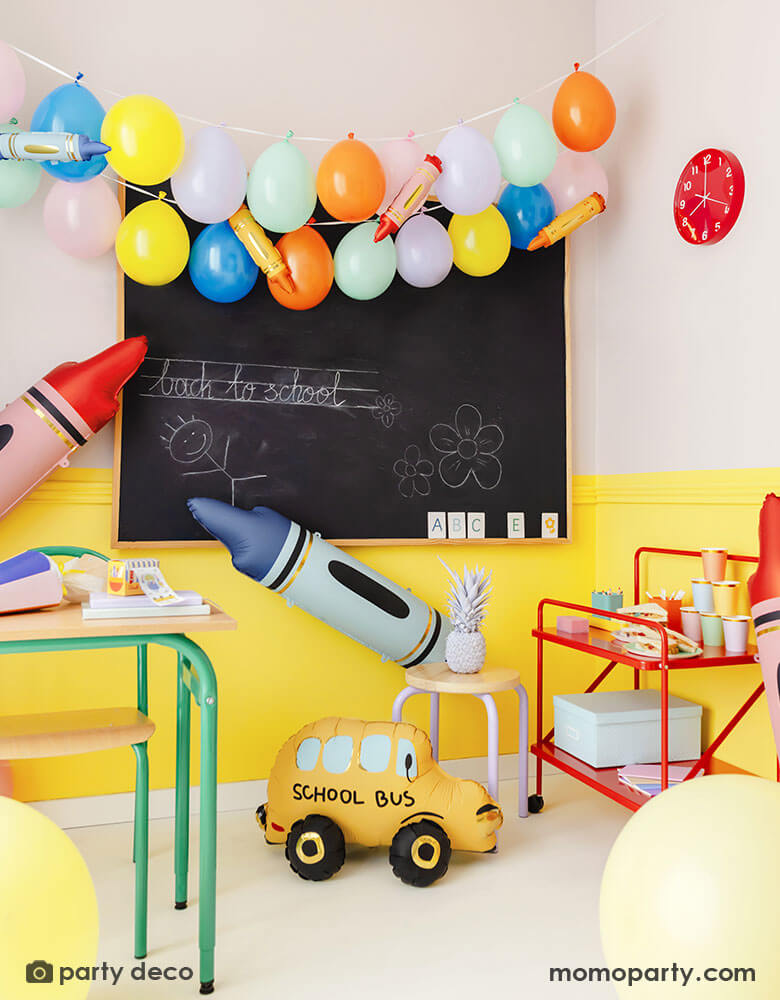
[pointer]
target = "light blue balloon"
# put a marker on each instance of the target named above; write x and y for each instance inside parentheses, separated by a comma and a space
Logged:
(526, 210)
(526, 146)
(220, 267)
(19, 179)
(71, 108)
(281, 191)
(364, 269)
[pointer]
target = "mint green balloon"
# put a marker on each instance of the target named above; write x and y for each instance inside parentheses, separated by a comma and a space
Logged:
(364, 269)
(19, 179)
(281, 191)
(526, 146)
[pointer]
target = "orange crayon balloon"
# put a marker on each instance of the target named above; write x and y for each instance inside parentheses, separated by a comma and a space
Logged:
(350, 181)
(583, 112)
(311, 266)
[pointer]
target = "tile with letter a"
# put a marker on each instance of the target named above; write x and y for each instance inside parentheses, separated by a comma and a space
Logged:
(437, 524)
(515, 524)
(549, 525)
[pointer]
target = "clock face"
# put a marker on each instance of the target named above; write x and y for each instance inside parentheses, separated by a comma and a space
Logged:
(709, 195)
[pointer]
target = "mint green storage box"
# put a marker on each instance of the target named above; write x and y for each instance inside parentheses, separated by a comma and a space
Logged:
(613, 728)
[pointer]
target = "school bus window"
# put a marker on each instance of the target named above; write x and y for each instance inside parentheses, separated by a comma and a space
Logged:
(375, 753)
(406, 761)
(308, 752)
(337, 754)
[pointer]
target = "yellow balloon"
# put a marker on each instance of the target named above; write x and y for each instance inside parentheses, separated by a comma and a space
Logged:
(480, 242)
(146, 139)
(49, 913)
(152, 244)
(694, 878)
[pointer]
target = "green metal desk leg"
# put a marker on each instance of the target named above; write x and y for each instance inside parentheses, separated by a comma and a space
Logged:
(141, 840)
(142, 698)
(182, 834)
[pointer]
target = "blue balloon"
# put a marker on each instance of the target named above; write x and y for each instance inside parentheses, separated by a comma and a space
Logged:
(526, 210)
(71, 108)
(220, 267)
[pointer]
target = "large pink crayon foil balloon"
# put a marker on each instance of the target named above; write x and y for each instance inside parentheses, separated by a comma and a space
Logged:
(574, 177)
(471, 173)
(764, 591)
(423, 251)
(82, 219)
(399, 159)
(12, 83)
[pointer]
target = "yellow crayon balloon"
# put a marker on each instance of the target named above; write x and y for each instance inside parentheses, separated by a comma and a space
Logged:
(480, 242)
(152, 244)
(146, 139)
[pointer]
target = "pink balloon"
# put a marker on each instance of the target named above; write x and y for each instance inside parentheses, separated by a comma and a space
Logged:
(12, 85)
(82, 219)
(399, 159)
(574, 177)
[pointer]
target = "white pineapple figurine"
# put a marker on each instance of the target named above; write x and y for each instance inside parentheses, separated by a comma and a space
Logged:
(467, 602)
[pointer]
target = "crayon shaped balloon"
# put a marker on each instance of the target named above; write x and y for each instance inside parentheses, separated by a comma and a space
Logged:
(568, 221)
(59, 414)
(411, 197)
(764, 591)
(326, 582)
(261, 249)
(49, 147)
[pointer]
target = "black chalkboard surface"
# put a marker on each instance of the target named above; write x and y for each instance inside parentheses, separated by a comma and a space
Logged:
(354, 418)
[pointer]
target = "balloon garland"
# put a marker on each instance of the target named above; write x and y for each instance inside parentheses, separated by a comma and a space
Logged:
(548, 193)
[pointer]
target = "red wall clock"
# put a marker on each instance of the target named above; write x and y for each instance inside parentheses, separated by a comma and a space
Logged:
(709, 195)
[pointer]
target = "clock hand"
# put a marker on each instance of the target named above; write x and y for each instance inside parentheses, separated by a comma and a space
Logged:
(717, 202)
(702, 199)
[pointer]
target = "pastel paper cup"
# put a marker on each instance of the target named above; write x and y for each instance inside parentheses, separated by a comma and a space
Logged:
(735, 633)
(714, 563)
(711, 628)
(691, 624)
(725, 596)
(702, 596)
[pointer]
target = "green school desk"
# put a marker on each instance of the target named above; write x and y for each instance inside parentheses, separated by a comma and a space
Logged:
(62, 629)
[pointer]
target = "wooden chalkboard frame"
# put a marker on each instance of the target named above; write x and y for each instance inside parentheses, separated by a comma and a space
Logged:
(346, 542)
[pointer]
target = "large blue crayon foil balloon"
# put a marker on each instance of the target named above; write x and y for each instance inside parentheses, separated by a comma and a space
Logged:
(71, 108)
(220, 267)
(526, 210)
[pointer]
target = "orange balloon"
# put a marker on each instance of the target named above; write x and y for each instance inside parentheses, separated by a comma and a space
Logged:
(583, 112)
(350, 181)
(311, 266)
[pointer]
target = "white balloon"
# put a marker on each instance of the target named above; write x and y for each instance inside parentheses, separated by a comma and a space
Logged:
(471, 173)
(210, 184)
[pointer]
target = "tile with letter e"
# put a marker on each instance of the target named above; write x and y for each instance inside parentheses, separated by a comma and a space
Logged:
(515, 524)
(437, 524)
(456, 524)
(475, 524)
(549, 525)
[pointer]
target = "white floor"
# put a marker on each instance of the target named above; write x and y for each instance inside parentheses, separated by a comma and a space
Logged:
(492, 927)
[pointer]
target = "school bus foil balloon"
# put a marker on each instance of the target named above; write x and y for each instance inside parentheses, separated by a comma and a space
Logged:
(340, 781)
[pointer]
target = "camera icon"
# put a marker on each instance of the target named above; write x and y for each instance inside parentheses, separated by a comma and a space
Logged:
(40, 972)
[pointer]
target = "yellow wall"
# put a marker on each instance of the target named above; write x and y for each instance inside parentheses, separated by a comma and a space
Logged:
(282, 668)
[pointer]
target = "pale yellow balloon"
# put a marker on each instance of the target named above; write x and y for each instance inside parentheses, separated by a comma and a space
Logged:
(694, 878)
(481, 242)
(48, 909)
(152, 244)
(146, 139)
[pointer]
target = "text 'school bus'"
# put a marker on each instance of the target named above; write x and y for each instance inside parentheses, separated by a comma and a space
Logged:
(372, 783)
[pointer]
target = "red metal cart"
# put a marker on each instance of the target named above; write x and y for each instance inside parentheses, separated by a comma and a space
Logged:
(599, 643)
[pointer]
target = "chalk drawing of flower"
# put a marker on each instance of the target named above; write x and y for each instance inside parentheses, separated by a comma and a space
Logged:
(469, 449)
(386, 409)
(414, 473)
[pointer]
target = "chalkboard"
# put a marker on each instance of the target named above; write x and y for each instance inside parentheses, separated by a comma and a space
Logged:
(354, 419)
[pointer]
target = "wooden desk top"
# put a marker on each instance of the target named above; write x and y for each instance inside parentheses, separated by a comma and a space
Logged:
(437, 677)
(65, 622)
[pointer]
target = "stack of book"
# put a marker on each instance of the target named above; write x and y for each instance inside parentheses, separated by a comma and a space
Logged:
(141, 606)
(646, 778)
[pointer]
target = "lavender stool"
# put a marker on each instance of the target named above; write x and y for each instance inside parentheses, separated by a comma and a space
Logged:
(437, 678)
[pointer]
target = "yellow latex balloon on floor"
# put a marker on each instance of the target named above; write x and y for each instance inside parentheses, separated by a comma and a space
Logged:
(694, 878)
(480, 242)
(48, 909)
(152, 244)
(146, 139)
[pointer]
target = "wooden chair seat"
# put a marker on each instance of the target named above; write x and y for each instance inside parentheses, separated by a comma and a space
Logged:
(57, 734)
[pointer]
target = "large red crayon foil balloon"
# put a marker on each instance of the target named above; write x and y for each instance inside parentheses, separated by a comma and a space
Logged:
(311, 267)
(583, 112)
(350, 181)
(764, 590)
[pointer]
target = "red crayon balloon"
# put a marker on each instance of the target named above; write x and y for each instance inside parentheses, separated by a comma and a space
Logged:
(59, 414)
(764, 591)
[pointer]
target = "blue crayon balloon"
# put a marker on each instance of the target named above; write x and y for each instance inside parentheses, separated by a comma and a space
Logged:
(71, 108)
(526, 210)
(220, 267)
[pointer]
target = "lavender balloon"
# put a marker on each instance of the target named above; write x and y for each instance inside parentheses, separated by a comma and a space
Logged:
(574, 177)
(423, 251)
(210, 184)
(471, 172)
